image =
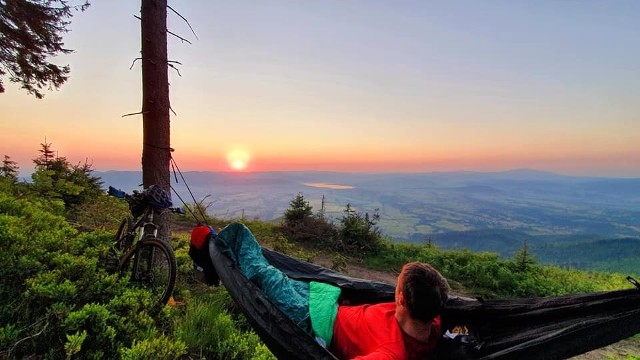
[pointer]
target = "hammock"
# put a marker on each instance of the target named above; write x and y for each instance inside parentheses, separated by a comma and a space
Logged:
(529, 328)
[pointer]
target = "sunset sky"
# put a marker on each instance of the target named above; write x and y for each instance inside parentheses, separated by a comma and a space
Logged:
(380, 86)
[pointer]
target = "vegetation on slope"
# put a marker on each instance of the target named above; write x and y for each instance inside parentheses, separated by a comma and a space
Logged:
(60, 298)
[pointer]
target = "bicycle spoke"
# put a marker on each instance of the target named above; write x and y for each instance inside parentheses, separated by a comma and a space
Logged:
(151, 266)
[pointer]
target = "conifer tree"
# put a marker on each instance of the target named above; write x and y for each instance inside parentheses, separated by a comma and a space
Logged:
(9, 169)
(523, 258)
(299, 209)
(55, 177)
(30, 35)
(47, 156)
(360, 233)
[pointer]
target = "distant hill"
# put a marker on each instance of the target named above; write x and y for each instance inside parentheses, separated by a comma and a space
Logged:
(502, 241)
(583, 251)
(612, 255)
(492, 211)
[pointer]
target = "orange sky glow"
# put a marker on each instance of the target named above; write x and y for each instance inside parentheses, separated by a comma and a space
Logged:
(441, 87)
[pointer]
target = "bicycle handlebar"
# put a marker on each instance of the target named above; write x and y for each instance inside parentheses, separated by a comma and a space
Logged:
(117, 193)
(123, 195)
(177, 210)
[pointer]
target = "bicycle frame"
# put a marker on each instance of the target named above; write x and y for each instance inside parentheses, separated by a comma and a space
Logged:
(142, 227)
(145, 224)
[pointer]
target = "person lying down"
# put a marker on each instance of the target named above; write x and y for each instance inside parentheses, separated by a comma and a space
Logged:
(408, 328)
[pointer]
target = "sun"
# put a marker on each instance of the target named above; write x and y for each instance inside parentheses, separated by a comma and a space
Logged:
(238, 159)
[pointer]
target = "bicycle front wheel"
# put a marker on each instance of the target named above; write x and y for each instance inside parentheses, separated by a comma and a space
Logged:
(123, 235)
(151, 265)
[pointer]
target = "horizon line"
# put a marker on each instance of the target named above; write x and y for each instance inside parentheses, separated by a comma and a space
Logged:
(512, 170)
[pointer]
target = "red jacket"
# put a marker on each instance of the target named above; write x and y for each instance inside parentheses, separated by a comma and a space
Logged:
(372, 332)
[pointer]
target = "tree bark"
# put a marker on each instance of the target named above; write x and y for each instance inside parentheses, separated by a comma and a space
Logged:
(155, 103)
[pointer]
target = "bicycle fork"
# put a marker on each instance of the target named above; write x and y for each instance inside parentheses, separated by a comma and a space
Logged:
(145, 274)
(147, 230)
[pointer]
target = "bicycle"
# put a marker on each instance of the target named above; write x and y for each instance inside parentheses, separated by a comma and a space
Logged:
(150, 262)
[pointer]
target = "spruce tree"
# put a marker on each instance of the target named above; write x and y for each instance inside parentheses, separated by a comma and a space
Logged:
(9, 169)
(56, 178)
(299, 209)
(47, 157)
(30, 35)
(523, 258)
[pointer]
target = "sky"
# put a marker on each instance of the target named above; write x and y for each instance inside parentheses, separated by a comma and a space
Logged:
(359, 86)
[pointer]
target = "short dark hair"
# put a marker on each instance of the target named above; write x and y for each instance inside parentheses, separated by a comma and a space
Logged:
(424, 289)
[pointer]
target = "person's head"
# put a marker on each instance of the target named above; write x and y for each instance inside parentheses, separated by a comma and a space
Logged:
(422, 290)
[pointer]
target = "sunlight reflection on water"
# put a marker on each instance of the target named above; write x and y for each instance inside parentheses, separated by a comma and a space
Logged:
(329, 186)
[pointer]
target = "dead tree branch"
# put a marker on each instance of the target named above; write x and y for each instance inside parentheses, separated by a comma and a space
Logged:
(174, 68)
(185, 20)
(179, 37)
(134, 61)
(136, 113)
(30, 336)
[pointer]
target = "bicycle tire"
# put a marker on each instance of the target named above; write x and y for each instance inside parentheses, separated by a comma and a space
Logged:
(123, 238)
(151, 264)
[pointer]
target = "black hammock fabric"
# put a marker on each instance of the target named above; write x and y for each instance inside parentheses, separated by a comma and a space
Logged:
(528, 328)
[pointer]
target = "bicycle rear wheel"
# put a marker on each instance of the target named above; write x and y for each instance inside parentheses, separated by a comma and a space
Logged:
(151, 265)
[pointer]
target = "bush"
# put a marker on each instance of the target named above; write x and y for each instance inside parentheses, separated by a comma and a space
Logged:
(312, 230)
(56, 296)
(56, 178)
(210, 332)
(359, 233)
(100, 212)
(486, 274)
(58, 299)
(160, 348)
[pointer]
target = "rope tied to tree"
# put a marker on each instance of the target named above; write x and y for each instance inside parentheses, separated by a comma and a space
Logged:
(176, 169)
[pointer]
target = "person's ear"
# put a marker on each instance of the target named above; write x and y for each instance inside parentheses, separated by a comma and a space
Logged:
(400, 298)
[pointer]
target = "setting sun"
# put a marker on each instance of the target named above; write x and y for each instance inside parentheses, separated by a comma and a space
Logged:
(238, 159)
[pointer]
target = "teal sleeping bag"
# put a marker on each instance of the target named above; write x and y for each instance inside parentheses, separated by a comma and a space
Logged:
(290, 296)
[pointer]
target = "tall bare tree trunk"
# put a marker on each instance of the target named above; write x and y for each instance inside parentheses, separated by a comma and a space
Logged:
(155, 102)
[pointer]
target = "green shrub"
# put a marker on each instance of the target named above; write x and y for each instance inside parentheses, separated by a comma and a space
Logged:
(209, 331)
(486, 274)
(74, 343)
(159, 348)
(56, 178)
(313, 230)
(99, 212)
(358, 233)
(55, 287)
(339, 262)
